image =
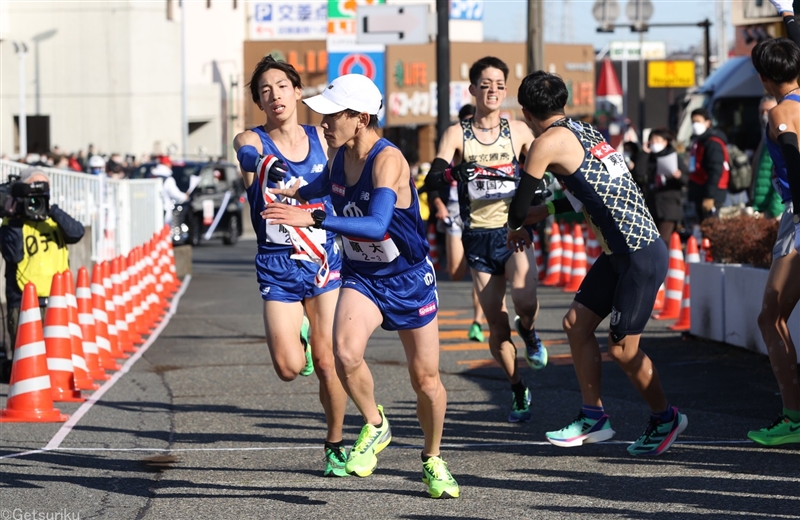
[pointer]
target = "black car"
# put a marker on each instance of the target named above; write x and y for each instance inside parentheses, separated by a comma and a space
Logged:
(219, 182)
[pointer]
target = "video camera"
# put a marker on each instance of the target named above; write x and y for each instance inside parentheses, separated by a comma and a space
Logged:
(31, 201)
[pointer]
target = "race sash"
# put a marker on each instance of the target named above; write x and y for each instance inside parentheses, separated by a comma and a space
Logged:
(308, 243)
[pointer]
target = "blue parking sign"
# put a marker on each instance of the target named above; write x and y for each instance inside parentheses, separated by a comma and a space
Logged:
(263, 12)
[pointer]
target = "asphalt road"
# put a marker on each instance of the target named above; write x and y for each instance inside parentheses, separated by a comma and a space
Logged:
(200, 427)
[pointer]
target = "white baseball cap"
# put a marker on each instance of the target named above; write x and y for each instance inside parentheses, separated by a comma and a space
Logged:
(351, 91)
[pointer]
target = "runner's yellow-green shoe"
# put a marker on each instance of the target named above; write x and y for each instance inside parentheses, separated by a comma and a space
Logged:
(782, 431)
(437, 477)
(309, 368)
(362, 459)
(475, 332)
(334, 462)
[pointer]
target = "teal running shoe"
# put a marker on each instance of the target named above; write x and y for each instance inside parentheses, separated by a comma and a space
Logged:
(335, 461)
(535, 352)
(659, 436)
(439, 480)
(475, 332)
(582, 430)
(362, 460)
(309, 368)
(520, 407)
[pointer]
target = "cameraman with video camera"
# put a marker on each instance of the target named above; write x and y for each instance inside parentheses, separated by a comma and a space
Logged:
(33, 241)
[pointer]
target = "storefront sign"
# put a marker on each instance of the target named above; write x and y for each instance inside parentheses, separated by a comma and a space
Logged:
(410, 74)
(670, 74)
(370, 64)
(287, 20)
(304, 61)
(466, 9)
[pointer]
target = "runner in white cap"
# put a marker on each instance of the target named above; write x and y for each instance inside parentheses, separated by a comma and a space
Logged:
(387, 279)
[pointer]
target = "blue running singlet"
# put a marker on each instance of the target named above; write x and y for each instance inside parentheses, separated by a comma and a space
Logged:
(781, 178)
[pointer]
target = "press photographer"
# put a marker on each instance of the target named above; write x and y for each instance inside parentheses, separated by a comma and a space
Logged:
(33, 241)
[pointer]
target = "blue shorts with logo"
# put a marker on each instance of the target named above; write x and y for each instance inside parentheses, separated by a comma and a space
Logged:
(283, 279)
(406, 301)
(625, 286)
(486, 249)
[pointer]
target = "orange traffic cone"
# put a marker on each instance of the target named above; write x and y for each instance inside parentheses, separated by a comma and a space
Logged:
(111, 313)
(578, 261)
(593, 249)
(108, 353)
(568, 244)
(58, 343)
(537, 254)
(119, 307)
(29, 396)
(126, 272)
(692, 257)
(553, 276)
(172, 270)
(80, 365)
(660, 295)
(85, 321)
(675, 274)
(433, 252)
(89, 327)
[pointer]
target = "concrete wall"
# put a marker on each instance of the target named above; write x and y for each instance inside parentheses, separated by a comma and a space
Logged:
(109, 73)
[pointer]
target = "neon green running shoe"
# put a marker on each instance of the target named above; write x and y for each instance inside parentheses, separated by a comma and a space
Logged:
(334, 463)
(475, 332)
(520, 407)
(582, 430)
(362, 459)
(782, 431)
(309, 368)
(437, 477)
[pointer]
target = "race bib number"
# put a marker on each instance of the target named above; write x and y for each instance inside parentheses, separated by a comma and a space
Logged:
(383, 251)
(279, 234)
(492, 189)
(611, 159)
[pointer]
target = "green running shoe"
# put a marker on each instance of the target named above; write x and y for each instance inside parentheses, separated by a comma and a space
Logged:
(334, 463)
(520, 407)
(309, 368)
(782, 431)
(659, 436)
(475, 332)
(535, 352)
(582, 430)
(437, 477)
(362, 460)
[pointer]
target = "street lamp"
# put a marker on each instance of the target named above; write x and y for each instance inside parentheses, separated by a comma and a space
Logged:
(21, 50)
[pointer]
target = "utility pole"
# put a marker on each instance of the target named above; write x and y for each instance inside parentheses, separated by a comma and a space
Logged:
(21, 49)
(184, 114)
(442, 67)
(535, 53)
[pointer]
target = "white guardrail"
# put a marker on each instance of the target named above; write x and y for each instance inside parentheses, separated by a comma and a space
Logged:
(122, 213)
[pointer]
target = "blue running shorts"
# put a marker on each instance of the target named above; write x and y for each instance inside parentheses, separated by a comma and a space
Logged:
(406, 301)
(625, 286)
(284, 279)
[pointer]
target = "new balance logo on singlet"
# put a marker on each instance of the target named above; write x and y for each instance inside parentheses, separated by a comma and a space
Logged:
(317, 168)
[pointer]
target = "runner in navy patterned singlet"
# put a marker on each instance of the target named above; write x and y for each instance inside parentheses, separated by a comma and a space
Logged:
(623, 282)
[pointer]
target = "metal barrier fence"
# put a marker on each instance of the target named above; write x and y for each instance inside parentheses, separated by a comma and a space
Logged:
(122, 213)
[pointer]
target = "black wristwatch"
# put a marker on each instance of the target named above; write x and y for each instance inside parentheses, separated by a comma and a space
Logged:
(319, 217)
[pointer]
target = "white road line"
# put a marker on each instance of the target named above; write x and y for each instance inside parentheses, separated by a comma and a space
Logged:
(62, 433)
(394, 446)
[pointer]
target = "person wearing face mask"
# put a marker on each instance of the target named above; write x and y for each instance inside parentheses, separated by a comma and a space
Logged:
(763, 194)
(709, 166)
(667, 174)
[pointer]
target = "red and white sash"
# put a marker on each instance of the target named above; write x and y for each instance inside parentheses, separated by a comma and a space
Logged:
(308, 243)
